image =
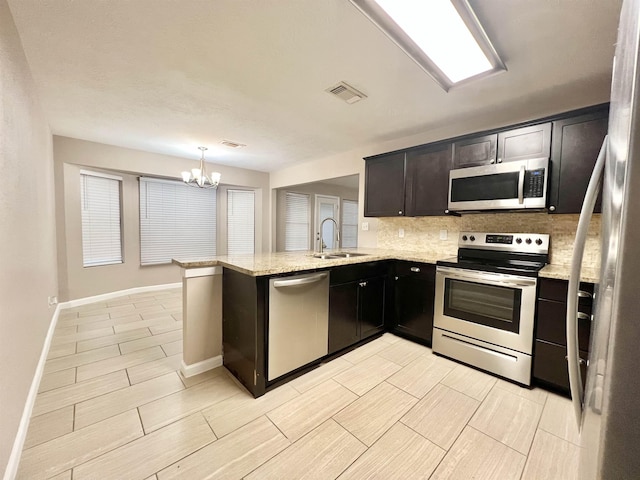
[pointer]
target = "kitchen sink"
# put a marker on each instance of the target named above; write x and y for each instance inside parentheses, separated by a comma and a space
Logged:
(336, 255)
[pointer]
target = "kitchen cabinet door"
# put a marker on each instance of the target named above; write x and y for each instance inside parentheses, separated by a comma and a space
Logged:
(550, 349)
(574, 150)
(525, 143)
(414, 291)
(550, 365)
(384, 186)
(475, 151)
(371, 306)
(427, 188)
(344, 328)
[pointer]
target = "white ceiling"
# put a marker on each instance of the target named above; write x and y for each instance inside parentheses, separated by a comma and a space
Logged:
(166, 76)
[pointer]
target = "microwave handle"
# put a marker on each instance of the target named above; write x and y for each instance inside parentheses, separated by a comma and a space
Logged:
(521, 185)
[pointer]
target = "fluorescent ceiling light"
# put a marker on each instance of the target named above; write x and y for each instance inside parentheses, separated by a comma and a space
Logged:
(443, 36)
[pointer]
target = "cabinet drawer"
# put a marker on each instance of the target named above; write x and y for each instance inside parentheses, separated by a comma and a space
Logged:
(360, 271)
(551, 325)
(409, 268)
(552, 289)
(550, 364)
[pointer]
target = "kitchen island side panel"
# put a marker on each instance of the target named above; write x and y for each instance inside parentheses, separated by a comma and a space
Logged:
(243, 328)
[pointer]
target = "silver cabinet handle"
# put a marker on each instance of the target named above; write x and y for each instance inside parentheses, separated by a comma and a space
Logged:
(499, 160)
(415, 269)
(581, 361)
(399, 212)
(552, 208)
(575, 380)
(294, 282)
(363, 284)
(583, 294)
(583, 316)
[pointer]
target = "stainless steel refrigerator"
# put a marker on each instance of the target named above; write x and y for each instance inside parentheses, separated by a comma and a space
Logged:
(608, 411)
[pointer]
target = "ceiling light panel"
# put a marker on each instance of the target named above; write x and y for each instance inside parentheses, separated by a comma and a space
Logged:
(443, 36)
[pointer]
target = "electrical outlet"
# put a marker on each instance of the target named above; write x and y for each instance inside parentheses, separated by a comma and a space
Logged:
(443, 234)
(53, 300)
(365, 226)
(401, 232)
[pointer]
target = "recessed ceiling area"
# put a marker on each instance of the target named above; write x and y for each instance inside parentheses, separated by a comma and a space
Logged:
(166, 76)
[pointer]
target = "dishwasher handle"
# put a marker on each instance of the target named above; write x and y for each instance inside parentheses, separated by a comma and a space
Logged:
(295, 282)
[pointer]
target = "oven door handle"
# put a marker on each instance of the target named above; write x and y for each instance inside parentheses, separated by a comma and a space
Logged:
(487, 277)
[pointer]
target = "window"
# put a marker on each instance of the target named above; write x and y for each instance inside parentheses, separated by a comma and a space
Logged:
(176, 220)
(297, 222)
(349, 223)
(101, 232)
(240, 221)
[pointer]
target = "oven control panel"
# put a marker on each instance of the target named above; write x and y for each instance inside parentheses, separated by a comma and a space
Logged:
(512, 242)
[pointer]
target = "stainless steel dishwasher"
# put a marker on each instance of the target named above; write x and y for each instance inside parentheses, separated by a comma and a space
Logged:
(298, 321)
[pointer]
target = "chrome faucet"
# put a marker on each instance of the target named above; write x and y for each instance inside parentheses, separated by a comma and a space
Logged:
(320, 232)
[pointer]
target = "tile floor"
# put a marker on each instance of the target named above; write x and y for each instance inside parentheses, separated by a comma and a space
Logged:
(112, 405)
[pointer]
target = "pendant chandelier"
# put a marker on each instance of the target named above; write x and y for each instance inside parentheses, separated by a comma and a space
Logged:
(198, 177)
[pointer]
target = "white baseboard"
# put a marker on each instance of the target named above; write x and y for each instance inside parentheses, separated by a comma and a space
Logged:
(200, 367)
(18, 444)
(119, 293)
(21, 436)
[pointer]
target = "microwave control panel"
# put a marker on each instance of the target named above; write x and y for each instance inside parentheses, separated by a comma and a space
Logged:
(534, 183)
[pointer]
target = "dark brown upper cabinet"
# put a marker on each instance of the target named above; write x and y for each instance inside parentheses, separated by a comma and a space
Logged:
(384, 186)
(525, 143)
(576, 144)
(410, 183)
(427, 183)
(475, 151)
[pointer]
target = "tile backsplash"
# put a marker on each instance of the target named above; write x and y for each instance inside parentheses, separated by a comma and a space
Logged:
(423, 233)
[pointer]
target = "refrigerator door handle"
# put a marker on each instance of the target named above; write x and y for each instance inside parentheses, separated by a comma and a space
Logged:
(573, 356)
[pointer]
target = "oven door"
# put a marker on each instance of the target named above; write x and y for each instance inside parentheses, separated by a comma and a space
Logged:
(493, 307)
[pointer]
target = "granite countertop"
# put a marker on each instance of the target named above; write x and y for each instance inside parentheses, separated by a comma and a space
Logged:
(561, 272)
(285, 262)
(262, 264)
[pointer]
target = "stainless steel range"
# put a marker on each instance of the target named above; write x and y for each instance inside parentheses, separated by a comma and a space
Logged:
(485, 301)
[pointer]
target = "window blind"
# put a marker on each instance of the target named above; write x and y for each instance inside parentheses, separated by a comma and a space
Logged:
(176, 220)
(100, 206)
(349, 223)
(240, 221)
(297, 224)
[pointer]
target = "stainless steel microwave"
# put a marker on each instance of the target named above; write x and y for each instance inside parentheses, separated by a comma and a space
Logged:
(502, 186)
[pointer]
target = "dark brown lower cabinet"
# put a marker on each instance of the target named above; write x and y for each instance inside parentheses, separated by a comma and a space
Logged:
(550, 365)
(414, 289)
(550, 349)
(357, 303)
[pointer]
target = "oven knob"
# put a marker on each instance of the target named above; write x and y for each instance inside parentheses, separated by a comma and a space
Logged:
(464, 238)
(518, 240)
(472, 238)
(538, 241)
(528, 240)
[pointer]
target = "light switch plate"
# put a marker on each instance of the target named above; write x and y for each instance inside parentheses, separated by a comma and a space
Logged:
(401, 232)
(365, 226)
(443, 234)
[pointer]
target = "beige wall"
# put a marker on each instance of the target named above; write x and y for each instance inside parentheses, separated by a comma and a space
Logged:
(71, 156)
(27, 231)
(312, 189)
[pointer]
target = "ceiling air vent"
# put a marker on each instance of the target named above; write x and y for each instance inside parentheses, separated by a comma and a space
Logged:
(230, 144)
(346, 92)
